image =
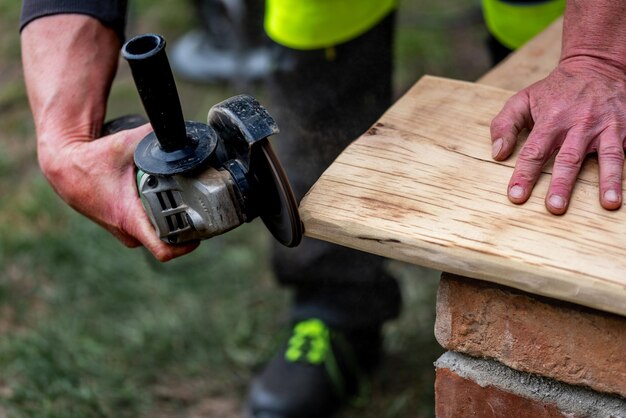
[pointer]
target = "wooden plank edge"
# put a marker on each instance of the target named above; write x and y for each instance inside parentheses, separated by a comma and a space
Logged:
(609, 297)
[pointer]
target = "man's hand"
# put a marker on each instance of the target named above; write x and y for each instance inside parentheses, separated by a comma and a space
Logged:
(69, 63)
(97, 178)
(580, 108)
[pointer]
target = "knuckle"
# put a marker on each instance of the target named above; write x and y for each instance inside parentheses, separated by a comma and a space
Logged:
(121, 236)
(568, 157)
(560, 184)
(553, 114)
(499, 125)
(130, 243)
(533, 152)
(611, 152)
(587, 119)
(523, 177)
(612, 179)
(133, 243)
(162, 254)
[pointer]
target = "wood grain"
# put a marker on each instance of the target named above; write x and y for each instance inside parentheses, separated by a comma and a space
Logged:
(420, 186)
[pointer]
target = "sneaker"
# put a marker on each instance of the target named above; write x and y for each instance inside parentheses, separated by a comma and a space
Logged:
(316, 372)
(195, 57)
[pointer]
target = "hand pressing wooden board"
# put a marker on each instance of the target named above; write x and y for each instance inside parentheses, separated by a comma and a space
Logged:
(421, 186)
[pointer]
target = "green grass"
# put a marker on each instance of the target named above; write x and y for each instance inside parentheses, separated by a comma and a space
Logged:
(90, 328)
(94, 325)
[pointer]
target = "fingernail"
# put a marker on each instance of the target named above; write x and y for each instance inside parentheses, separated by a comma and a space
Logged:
(496, 147)
(516, 192)
(556, 201)
(611, 196)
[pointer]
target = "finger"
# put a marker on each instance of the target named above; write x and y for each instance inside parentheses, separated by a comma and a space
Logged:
(116, 152)
(136, 224)
(507, 125)
(532, 157)
(133, 228)
(123, 143)
(140, 132)
(611, 162)
(142, 229)
(567, 165)
(166, 252)
(137, 133)
(123, 237)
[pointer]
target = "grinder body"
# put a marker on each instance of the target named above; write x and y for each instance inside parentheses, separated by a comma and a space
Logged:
(185, 208)
(200, 180)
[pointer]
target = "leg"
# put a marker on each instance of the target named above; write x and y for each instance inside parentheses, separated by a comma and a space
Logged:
(322, 100)
(322, 104)
(497, 51)
(229, 44)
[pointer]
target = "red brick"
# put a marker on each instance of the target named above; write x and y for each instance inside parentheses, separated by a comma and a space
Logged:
(458, 397)
(469, 386)
(532, 334)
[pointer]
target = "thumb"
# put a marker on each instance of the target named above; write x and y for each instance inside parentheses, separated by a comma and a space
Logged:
(507, 125)
(124, 143)
(136, 222)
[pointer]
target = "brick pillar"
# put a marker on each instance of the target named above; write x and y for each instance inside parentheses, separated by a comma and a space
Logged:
(563, 341)
(514, 354)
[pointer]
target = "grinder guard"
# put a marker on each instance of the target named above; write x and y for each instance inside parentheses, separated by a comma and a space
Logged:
(195, 180)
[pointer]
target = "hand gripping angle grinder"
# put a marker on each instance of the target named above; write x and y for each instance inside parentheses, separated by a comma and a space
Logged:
(200, 180)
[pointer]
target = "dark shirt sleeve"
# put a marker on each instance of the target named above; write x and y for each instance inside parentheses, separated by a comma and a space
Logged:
(111, 13)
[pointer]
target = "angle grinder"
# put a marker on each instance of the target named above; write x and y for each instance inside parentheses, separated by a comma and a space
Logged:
(200, 180)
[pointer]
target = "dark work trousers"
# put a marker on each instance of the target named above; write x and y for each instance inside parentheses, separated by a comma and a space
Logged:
(322, 100)
(497, 51)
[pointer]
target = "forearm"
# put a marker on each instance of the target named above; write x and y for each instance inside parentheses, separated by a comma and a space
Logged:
(596, 29)
(69, 63)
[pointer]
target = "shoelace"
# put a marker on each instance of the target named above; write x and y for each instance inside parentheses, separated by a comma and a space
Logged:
(311, 343)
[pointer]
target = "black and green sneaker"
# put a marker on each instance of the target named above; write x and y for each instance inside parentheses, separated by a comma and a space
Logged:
(315, 372)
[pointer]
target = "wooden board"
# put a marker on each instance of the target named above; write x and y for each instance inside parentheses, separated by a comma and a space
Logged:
(421, 187)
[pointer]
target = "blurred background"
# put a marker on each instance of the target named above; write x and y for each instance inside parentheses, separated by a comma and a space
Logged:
(90, 328)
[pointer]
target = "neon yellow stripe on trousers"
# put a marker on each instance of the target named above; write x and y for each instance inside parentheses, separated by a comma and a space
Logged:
(515, 23)
(315, 24)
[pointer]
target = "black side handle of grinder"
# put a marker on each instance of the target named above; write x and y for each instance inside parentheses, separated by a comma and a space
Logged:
(175, 146)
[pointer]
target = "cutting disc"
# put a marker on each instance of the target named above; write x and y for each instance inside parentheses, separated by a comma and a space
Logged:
(277, 205)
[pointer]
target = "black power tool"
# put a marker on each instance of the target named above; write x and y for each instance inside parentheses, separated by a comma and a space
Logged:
(200, 180)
